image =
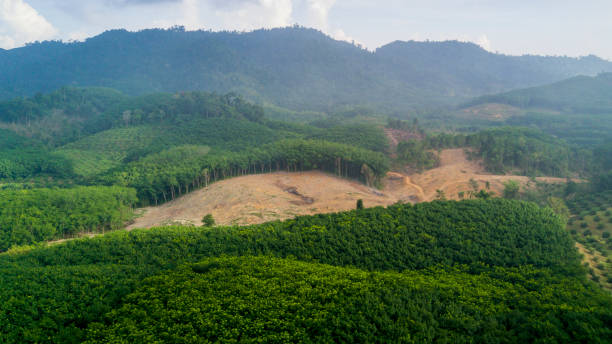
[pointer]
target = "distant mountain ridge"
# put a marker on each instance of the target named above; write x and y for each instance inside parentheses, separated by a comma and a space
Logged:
(578, 94)
(293, 67)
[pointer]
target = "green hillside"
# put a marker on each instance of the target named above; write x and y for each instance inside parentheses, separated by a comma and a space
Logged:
(581, 94)
(498, 270)
(272, 300)
(578, 109)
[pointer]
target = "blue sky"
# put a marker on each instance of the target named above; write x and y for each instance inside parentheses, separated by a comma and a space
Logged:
(545, 27)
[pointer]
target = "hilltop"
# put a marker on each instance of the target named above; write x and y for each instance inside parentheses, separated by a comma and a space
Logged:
(294, 67)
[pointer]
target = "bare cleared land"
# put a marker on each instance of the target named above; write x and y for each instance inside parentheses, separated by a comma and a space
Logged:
(277, 196)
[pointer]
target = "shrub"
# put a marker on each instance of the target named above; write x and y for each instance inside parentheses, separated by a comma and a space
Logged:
(208, 220)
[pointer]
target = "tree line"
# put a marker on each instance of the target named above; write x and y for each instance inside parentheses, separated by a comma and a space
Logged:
(164, 176)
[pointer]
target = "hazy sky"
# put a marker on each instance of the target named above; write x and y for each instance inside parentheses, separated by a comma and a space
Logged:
(551, 27)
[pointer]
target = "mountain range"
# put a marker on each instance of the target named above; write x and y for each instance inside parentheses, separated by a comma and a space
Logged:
(296, 68)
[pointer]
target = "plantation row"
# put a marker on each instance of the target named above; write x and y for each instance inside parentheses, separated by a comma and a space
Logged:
(55, 294)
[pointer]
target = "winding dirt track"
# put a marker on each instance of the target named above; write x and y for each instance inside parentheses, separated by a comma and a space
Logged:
(277, 196)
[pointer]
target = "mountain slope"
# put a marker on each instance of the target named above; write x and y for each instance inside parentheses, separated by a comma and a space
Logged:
(292, 67)
(577, 94)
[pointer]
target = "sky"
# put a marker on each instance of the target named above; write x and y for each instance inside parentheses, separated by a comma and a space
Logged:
(516, 27)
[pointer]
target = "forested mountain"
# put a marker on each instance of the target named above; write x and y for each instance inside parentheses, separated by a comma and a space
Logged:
(581, 94)
(293, 67)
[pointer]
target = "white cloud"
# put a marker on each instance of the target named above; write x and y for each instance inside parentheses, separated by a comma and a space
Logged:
(318, 13)
(484, 42)
(191, 13)
(253, 14)
(20, 24)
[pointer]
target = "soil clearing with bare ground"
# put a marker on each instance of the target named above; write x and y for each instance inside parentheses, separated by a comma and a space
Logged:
(278, 196)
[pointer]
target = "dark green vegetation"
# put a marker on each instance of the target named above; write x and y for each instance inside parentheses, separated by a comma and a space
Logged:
(292, 67)
(496, 270)
(31, 216)
(501, 271)
(275, 300)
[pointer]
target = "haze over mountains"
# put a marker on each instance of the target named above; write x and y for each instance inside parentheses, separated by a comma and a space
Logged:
(295, 67)
(578, 94)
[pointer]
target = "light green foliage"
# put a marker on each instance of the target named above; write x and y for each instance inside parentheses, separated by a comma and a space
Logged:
(559, 207)
(21, 158)
(31, 216)
(511, 189)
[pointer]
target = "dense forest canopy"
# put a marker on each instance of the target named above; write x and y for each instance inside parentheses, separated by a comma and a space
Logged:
(502, 270)
(293, 67)
(277, 300)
